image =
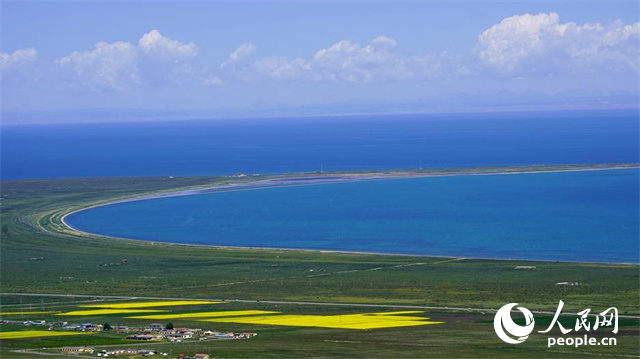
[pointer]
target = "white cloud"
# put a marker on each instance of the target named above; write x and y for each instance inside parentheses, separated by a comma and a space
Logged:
(280, 67)
(351, 62)
(542, 45)
(120, 65)
(344, 61)
(108, 65)
(154, 42)
(18, 58)
(243, 52)
(164, 61)
(383, 42)
(239, 66)
(538, 47)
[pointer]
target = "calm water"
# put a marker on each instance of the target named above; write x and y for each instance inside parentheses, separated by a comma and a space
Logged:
(580, 216)
(338, 143)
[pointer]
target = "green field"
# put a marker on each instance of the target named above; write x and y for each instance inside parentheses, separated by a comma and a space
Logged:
(40, 255)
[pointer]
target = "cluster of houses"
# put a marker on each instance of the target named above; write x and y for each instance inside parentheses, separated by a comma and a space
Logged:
(154, 331)
(143, 352)
(85, 327)
(157, 331)
(116, 352)
(34, 322)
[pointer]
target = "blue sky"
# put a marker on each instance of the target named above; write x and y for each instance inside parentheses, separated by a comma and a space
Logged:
(243, 58)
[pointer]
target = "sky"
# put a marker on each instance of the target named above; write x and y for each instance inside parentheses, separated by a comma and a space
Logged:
(244, 58)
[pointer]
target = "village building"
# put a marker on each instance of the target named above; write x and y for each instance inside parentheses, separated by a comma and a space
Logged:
(121, 329)
(196, 356)
(224, 335)
(34, 322)
(155, 327)
(58, 324)
(195, 331)
(90, 327)
(143, 337)
(77, 350)
(176, 336)
(121, 352)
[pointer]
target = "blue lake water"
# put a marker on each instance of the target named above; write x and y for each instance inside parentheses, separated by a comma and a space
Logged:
(576, 216)
(305, 144)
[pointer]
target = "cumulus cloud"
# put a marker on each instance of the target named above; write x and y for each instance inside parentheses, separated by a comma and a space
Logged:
(164, 61)
(378, 60)
(19, 71)
(19, 58)
(535, 46)
(280, 67)
(154, 42)
(120, 65)
(344, 61)
(245, 51)
(108, 65)
(541, 44)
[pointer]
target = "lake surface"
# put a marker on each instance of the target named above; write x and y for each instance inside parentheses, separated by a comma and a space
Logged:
(222, 147)
(575, 216)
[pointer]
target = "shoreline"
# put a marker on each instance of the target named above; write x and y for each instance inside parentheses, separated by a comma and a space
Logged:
(306, 179)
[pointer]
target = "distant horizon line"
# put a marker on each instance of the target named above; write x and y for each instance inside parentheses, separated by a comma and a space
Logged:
(266, 116)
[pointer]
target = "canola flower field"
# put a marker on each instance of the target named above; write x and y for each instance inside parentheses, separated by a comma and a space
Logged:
(230, 313)
(21, 334)
(364, 321)
(132, 307)
(108, 311)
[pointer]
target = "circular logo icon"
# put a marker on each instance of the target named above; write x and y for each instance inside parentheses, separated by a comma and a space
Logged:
(503, 324)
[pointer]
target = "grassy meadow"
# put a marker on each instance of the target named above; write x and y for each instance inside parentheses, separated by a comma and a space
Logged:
(40, 255)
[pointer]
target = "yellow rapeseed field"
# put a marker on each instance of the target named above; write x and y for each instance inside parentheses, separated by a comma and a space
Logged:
(349, 321)
(398, 313)
(34, 334)
(150, 304)
(229, 313)
(109, 311)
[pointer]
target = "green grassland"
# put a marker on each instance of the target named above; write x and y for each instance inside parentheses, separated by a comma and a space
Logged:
(40, 255)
